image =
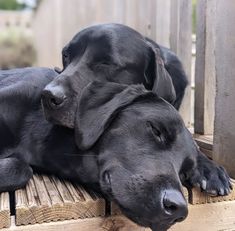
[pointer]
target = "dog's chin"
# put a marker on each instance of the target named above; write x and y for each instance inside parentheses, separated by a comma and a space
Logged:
(138, 219)
(64, 120)
(157, 227)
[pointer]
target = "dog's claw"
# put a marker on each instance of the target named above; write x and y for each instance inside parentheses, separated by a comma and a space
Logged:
(211, 178)
(203, 186)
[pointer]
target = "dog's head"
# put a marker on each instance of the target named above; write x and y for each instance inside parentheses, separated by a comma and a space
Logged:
(143, 151)
(109, 53)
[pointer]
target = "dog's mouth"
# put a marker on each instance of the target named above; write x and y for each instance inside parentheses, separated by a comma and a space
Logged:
(160, 225)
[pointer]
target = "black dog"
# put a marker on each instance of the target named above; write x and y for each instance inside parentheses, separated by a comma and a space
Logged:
(130, 144)
(113, 53)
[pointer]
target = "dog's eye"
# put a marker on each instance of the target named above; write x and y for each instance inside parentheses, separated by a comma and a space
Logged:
(103, 65)
(156, 132)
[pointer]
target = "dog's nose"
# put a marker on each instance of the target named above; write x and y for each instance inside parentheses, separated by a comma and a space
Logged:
(53, 97)
(174, 205)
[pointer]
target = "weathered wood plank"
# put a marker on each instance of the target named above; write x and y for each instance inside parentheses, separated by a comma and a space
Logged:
(205, 142)
(205, 68)
(48, 199)
(214, 217)
(209, 217)
(181, 44)
(224, 135)
(161, 18)
(4, 210)
(75, 202)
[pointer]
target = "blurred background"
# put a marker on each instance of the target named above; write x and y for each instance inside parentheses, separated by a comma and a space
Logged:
(33, 32)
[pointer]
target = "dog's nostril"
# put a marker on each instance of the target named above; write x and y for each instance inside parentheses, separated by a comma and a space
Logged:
(174, 205)
(170, 207)
(52, 99)
(56, 101)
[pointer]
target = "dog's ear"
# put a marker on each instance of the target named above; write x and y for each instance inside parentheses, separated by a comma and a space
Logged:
(157, 77)
(99, 104)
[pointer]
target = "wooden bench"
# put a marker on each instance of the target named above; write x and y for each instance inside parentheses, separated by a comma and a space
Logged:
(50, 204)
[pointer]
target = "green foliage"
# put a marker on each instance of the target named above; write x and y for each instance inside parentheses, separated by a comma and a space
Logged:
(11, 5)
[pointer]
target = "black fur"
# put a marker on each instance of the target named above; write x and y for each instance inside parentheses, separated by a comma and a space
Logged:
(126, 142)
(113, 53)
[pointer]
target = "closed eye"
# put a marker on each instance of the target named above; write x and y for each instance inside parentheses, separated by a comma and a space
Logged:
(157, 133)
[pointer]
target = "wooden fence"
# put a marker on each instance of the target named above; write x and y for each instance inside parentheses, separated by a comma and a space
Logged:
(169, 23)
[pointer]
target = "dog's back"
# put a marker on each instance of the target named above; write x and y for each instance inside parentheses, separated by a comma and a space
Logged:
(20, 92)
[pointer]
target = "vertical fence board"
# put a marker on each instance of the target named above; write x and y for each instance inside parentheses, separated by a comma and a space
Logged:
(205, 68)
(224, 135)
(200, 67)
(181, 44)
(119, 11)
(131, 13)
(161, 14)
(61, 21)
(45, 31)
(144, 17)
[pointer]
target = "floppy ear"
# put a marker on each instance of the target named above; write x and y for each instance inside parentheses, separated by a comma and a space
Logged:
(158, 77)
(99, 103)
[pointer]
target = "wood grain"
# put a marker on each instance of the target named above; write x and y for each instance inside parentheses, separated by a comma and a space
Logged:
(205, 71)
(48, 199)
(224, 133)
(205, 142)
(4, 210)
(208, 217)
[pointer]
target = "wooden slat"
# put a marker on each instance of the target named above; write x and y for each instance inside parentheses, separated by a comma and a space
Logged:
(48, 199)
(70, 200)
(205, 142)
(181, 44)
(4, 210)
(205, 68)
(161, 16)
(209, 217)
(224, 134)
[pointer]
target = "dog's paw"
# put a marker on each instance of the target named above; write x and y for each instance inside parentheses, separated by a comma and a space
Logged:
(210, 177)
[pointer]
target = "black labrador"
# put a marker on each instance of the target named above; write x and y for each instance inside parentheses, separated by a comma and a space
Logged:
(130, 144)
(113, 53)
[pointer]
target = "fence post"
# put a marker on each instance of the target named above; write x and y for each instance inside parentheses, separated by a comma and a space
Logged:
(224, 135)
(181, 44)
(205, 68)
